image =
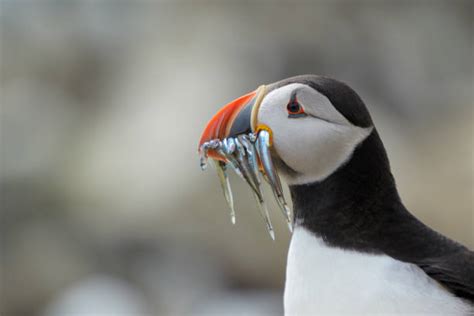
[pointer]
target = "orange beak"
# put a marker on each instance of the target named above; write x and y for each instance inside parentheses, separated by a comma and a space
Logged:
(235, 118)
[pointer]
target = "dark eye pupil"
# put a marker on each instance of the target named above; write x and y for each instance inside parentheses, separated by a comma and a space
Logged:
(293, 107)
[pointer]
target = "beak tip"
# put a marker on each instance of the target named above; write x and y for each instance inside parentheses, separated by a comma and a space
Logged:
(219, 125)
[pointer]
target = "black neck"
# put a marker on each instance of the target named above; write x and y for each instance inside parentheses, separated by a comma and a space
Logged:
(358, 207)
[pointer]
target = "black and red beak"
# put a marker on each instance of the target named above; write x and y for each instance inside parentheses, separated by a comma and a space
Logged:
(234, 137)
(236, 118)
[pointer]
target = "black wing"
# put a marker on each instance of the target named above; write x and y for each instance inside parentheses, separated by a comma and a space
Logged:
(444, 260)
(407, 239)
(455, 271)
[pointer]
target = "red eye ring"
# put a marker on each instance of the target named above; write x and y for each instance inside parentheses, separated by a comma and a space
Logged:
(294, 108)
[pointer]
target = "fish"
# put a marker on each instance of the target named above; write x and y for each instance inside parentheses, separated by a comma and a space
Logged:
(221, 168)
(250, 157)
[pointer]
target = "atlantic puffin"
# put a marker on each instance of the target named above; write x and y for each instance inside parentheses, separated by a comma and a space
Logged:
(355, 248)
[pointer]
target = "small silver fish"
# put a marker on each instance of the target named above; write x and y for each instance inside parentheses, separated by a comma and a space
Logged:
(243, 154)
(262, 207)
(244, 145)
(203, 156)
(221, 168)
(228, 149)
(263, 149)
(246, 169)
(252, 157)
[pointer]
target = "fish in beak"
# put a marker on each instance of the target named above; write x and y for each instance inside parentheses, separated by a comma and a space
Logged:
(234, 137)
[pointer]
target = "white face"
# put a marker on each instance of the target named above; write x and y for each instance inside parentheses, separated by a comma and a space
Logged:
(314, 145)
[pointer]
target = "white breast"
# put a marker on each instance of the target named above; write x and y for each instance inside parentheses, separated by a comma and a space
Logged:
(322, 279)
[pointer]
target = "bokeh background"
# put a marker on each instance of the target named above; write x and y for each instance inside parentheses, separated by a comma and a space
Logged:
(104, 210)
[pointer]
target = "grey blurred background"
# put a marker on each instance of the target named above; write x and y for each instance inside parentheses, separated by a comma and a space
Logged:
(104, 210)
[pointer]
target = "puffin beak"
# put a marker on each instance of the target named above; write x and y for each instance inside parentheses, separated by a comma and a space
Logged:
(236, 118)
(233, 137)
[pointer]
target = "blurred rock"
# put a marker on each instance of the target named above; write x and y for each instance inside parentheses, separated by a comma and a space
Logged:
(98, 295)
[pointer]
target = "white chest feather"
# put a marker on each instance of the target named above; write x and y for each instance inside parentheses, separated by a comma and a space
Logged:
(328, 280)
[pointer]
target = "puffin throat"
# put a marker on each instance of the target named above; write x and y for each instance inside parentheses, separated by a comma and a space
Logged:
(358, 208)
(354, 201)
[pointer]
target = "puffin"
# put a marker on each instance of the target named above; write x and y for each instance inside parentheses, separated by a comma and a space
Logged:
(355, 248)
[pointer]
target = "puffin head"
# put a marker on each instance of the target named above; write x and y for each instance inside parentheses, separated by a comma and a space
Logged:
(315, 123)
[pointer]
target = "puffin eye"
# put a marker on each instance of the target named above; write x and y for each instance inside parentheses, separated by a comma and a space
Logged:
(295, 110)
